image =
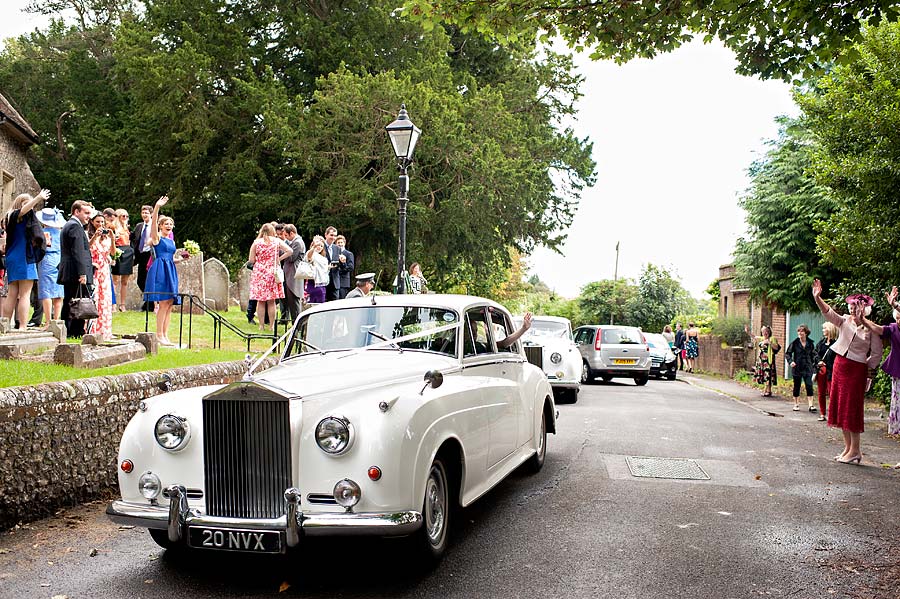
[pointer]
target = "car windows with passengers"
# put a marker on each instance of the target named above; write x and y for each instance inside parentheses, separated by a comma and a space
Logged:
(477, 340)
(621, 336)
(353, 328)
(502, 329)
(547, 328)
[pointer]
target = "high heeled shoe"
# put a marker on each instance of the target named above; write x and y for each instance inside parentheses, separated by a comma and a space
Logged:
(855, 459)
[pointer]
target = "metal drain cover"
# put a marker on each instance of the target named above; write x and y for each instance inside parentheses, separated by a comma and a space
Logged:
(680, 468)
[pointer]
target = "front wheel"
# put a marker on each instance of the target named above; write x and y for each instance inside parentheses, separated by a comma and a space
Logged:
(435, 512)
(536, 462)
(587, 377)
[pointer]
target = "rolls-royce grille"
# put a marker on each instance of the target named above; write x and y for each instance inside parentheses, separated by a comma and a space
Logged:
(247, 457)
(535, 355)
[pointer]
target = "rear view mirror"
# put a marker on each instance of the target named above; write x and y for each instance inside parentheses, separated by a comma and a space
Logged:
(434, 379)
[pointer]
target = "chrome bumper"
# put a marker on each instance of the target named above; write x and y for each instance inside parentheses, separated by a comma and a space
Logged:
(178, 516)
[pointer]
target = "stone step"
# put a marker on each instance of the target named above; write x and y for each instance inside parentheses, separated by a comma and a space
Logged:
(110, 353)
(15, 348)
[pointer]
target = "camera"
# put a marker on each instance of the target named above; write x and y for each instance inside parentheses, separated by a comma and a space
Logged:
(104, 231)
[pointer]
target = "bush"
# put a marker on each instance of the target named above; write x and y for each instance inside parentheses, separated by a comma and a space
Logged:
(731, 329)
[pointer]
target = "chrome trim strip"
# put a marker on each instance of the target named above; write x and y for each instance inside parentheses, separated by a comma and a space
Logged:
(319, 524)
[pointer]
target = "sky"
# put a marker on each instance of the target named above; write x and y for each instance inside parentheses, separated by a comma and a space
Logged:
(672, 137)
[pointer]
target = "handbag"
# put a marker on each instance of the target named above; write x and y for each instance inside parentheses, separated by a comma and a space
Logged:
(279, 272)
(304, 270)
(82, 307)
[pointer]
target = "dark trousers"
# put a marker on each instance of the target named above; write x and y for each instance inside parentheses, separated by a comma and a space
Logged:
(822, 384)
(74, 327)
(332, 293)
(290, 304)
(806, 378)
(679, 354)
(142, 258)
(342, 292)
(251, 311)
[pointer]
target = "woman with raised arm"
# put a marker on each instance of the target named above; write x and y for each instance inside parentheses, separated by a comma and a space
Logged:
(891, 366)
(162, 276)
(22, 255)
(857, 354)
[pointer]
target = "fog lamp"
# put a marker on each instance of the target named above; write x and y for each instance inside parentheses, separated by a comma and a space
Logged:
(149, 485)
(347, 493)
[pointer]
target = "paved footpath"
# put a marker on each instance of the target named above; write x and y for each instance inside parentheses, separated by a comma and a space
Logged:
(878, 448)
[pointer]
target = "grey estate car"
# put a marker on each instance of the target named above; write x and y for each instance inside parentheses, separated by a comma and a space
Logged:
(609, 351)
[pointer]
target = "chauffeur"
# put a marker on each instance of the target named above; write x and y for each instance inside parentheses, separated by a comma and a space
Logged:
(364, 285)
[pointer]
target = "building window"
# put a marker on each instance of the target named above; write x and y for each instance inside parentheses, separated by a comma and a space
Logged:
(726, 305)
(7, 190)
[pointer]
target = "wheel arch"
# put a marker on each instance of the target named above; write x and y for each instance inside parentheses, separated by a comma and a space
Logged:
(550, 414)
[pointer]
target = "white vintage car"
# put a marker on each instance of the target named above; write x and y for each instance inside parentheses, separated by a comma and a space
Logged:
(382, 415)
(549, 345)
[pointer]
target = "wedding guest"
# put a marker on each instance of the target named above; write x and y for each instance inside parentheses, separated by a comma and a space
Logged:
(768, 347)
(891, 366)
(25, 246)
(801, 353)
(858, 354)
(140, 245)
(315, 287)
(345, 266)
(417, 282)
(691, 345)
(50, 293)
(669, 335)
(76, 273)
(266, 254)
(332, 255)
(124, 265)
(293, 288)
(679, 345)
(825, 366)
(162, 276)
(102, 251)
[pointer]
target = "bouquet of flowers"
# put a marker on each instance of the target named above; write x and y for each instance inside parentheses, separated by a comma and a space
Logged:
(191, 247)
(117, 255)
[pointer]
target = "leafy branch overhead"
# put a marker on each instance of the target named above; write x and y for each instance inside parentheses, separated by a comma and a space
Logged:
(772, 39)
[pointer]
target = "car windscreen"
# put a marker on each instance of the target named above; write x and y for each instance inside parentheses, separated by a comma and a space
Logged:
(352, 328)
(546, 328)
(657, 341)
(621, 335)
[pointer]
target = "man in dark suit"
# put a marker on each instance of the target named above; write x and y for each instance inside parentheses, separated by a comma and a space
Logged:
(293, 289)
(679, 345)
(140, 244)
(333, 253)
(75, 268)
(345, 267)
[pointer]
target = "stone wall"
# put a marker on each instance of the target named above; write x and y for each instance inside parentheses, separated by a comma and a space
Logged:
(59, 442)
(13, 164)
(721, 360)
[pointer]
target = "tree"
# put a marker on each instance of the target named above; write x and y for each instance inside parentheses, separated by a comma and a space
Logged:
(773, 39)
(659, 298)
(854, 116)
(603, 299)
(777, 260)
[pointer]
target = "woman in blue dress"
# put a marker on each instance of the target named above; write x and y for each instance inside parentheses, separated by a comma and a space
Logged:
(21, 262)
(50, 293)
(162, 276)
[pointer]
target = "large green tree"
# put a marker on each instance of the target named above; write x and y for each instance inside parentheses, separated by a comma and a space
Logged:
(855, 117)
(605, 300)
(251, 111)
(777, 259)
(772, 39)
(659, 298)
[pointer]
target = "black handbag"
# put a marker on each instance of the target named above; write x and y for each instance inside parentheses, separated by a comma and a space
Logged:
(82, 307)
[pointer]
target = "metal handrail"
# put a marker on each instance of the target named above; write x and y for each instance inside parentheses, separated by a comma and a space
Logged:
(219, 322)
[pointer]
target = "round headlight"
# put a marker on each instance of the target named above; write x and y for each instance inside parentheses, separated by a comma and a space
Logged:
(347, 493)
(334, 435)
(555, 358)
(149, 485)
(172, 432)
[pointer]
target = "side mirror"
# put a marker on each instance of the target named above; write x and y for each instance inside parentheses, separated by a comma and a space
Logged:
(165, 382)
(433, 379)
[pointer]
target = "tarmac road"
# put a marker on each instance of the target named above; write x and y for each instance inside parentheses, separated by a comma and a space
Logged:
(777, 518)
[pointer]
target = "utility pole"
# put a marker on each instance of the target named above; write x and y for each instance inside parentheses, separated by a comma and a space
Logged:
(612, 314)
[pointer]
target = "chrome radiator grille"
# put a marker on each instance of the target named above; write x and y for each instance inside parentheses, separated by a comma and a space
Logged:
(535, 355)
(247, 456)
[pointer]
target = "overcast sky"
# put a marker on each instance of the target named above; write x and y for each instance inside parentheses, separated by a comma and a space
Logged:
(673, 137)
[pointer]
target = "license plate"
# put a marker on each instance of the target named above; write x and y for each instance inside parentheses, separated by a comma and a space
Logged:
(633, 361)
(229, 539)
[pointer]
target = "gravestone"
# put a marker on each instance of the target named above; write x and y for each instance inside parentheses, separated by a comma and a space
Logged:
(216, 281)
(190, 278)
(244, 287)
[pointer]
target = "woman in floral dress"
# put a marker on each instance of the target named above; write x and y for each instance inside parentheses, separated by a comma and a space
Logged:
(265, 288)
(102, 252)
(765, 360)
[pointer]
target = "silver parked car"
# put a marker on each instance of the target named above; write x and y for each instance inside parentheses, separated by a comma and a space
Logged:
(609, 351)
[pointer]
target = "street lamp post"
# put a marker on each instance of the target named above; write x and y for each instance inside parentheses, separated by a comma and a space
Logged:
(404, 136)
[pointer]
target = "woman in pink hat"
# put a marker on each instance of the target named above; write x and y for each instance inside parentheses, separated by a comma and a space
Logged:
(857, 355)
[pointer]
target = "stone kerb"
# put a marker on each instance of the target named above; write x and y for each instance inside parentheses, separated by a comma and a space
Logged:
(216, 282)
(60, 440)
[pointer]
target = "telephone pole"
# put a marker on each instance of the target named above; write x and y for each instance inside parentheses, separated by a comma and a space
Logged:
(612, 314)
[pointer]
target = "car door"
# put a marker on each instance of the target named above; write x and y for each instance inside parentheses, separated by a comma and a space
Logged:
(584, 339)
(512, 369)
(480, 359)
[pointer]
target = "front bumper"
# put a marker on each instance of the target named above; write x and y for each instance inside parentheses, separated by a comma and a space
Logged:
(178, 516)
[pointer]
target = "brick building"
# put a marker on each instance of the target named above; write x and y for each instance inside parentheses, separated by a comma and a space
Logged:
(16, 136)
(735, 302)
